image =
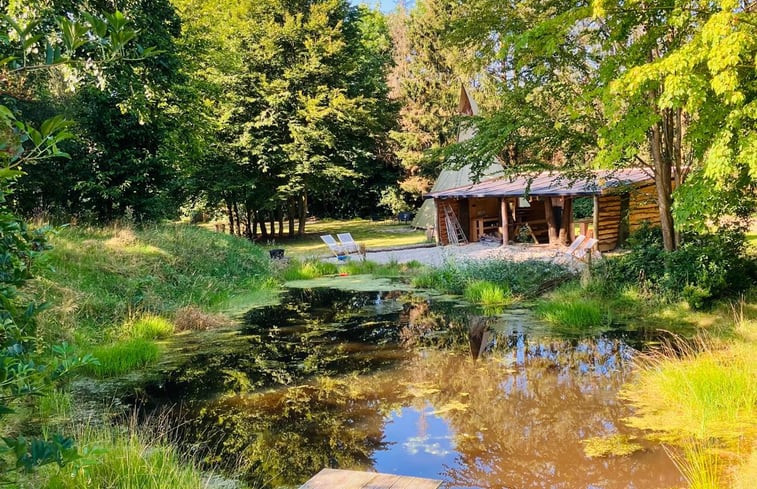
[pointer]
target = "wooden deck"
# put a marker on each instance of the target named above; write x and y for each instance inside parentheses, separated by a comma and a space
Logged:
(351, 479)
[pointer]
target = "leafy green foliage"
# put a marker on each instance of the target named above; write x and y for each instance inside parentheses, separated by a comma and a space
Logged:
(487, 293)
(706, 267)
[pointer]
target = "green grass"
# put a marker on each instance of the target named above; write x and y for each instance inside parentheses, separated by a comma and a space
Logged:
(123, 356)
(307, 270)
(375, 235)
(573, 314)
(96, 279)
(524, 278)
(125, 460)
(487, 294)
(150, 327)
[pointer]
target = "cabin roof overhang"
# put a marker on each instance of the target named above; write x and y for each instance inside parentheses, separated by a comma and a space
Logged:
(548, 184)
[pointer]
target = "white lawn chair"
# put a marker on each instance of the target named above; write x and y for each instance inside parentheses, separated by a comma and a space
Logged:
(586, 249)
(348, 244)
(335, 247)
(575, 245)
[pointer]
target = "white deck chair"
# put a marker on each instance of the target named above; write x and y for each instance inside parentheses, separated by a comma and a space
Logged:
(586, 248)
(335, 247)
(575, 245)
(348, 244)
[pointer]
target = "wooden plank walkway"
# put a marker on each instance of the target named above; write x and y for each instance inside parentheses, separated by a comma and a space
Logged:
(352, 479)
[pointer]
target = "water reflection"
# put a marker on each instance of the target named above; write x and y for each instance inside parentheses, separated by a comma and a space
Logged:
(399, 383)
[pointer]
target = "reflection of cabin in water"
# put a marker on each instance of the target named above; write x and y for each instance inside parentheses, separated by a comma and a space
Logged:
(538, 208)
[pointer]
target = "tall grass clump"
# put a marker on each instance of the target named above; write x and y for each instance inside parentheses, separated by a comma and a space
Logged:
(701, 393)
(123, 356)
(307, 270)
(573, 314)
(127, 460)
(487, 294)
(526, 278)
(700, 464)
(151, 327)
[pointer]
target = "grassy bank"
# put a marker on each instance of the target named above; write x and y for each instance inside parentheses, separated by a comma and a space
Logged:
(118, 291)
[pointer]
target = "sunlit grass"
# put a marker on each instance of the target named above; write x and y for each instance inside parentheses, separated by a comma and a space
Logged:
(121, 459)
(573, 314)
(487, 293)
(308, 270)
(123, 356)
(700, 465)
(712, 393)
(375, 235)
(150, 327)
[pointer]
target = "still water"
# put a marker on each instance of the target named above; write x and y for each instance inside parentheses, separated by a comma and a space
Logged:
(401, 383)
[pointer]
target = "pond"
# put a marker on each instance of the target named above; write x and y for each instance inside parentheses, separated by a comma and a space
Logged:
(402, 383)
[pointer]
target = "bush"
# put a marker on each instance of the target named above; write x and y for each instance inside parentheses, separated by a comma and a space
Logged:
(704, 268)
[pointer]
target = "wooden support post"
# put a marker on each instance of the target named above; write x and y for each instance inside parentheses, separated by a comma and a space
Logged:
(549, 215)
(596, 220)
(505, 221)
(566, 226)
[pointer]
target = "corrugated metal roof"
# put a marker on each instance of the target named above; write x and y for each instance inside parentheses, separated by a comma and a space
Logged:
(546, 183)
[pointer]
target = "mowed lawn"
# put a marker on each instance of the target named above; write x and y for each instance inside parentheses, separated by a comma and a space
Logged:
(375, 235)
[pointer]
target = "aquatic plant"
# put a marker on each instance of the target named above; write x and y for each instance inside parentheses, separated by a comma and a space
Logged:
(150, 327)
(604, 446)
(699, 463)
(123, 356)
(193, 318)
(487, 293)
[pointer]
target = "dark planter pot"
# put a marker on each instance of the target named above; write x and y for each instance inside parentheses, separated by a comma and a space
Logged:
(276, 254)
(405, 216)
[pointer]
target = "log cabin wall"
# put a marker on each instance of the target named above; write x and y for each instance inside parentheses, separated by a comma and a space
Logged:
(609, 222)
(441, 224)
(643, 207)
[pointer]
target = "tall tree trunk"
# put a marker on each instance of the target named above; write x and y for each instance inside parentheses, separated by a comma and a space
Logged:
(663, 185)
(254, 225)
(549, 214)
(236, 218)
(272, 219)
(248, 222)
(230, 213)
(280, 216)
(303, 208)
(290, 216)
(263, 230)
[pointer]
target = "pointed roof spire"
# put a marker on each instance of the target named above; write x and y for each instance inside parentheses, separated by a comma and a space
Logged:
(467, 105)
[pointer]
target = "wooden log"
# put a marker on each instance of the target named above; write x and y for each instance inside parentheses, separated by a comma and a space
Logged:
(549, 216)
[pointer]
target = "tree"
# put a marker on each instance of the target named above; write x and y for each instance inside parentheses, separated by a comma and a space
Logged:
(129, 139)
(30, 47)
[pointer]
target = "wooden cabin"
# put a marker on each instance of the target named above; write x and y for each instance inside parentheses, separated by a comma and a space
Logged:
(538, 208)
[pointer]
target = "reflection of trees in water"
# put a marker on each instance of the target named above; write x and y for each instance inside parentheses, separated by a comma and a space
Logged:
(521, 426)
(518, 412)
(288, 435)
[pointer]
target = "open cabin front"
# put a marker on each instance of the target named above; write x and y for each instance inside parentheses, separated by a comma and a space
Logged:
(546, 218)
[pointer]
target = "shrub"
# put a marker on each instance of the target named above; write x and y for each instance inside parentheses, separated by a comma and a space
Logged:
(704, 268)
(123, 356)
(487, 293)
(151, 328)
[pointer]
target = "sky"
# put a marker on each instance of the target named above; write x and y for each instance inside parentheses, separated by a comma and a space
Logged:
(386, 5)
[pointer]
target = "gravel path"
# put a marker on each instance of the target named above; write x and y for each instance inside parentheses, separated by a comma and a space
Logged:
(437, 255)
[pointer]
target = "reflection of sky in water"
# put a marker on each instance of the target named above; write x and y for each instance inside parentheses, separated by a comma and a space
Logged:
(420, 444)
